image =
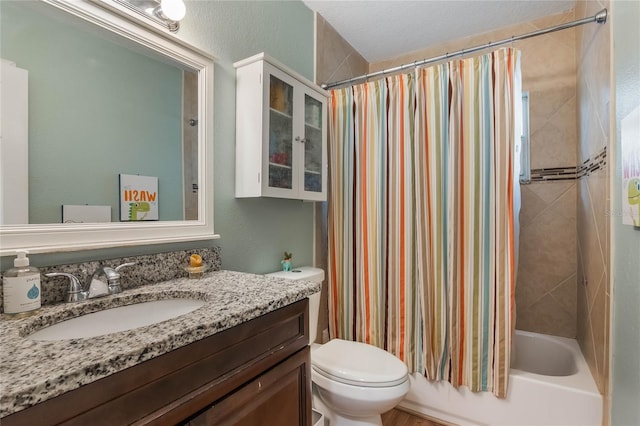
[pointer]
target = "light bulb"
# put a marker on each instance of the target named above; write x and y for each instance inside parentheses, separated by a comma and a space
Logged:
(173, 9)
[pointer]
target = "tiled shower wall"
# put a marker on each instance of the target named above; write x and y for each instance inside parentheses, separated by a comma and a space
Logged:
(593, 55)
(335, 60)
(546, 281)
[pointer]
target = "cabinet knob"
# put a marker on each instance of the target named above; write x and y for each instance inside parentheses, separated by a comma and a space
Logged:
(301, 140)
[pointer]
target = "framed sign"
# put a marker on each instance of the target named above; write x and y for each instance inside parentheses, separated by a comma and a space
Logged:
(138, 198)
(630, 141)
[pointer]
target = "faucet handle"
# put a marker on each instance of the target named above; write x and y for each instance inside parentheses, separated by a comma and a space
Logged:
(113, 277)
(124, 265)
(110, 273)
(75, 293)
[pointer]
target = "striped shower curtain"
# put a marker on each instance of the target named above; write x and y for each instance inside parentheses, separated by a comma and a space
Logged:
(371, 218)
(421, 217)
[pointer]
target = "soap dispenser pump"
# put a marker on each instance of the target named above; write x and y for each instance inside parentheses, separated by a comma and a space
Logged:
(21, 287)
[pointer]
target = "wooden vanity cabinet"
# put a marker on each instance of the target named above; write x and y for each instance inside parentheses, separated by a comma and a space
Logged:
(256, 373)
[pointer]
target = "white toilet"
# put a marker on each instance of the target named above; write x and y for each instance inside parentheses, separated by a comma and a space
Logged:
(353, 383)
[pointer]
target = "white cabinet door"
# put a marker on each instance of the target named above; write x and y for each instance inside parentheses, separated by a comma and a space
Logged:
(313, 181)
(280, 167)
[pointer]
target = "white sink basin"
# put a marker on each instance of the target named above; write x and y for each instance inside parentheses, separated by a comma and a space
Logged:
(117, 319)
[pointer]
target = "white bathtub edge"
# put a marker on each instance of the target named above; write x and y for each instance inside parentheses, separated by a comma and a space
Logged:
(539, 400)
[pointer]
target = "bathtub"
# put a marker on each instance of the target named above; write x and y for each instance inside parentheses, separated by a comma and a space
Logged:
(550, 384)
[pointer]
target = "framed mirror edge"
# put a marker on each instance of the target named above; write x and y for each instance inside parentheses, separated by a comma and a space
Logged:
(47, 238)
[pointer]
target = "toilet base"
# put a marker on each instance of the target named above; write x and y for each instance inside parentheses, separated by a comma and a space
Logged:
(337, 420)
(334, 419)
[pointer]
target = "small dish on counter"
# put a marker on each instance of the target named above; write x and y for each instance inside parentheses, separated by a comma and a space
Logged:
(196, 271)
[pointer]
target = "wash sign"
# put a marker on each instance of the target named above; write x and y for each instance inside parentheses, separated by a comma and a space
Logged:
(138, 197)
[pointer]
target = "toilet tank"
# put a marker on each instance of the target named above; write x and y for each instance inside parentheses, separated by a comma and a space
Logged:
(315, 275)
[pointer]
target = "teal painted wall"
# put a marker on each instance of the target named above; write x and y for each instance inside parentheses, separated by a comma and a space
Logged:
(254, 232)
(625, 394)
(95, 110)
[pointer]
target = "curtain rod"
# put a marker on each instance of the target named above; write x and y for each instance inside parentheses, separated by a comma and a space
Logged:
(599, 18)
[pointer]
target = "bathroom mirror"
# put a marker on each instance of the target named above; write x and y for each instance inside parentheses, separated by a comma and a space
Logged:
(107, 97)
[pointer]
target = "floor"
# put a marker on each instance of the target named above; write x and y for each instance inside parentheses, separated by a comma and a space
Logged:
(401, 418)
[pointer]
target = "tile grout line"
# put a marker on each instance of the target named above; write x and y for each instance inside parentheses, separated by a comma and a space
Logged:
(551, 203)
(591, 303)
(595, 223)
(330, 78)
(548, 292)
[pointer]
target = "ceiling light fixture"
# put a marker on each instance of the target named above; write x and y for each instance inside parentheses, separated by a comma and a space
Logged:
(167, 13)
(173, 10)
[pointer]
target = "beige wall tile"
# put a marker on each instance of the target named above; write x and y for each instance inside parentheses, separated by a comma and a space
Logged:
(548, 258)
(335, 60)
(544, 105)
(597, 185)
(593, 94)
(548, 317)
(583, 330)
(551, 191)
(540, 264)
(532, 203)
(565, 294)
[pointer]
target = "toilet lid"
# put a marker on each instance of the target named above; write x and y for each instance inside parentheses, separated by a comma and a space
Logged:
(358, 364)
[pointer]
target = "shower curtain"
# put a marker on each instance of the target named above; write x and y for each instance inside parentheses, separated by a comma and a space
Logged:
(422, 217)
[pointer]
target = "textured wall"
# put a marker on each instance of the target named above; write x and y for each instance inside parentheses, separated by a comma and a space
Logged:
(625, 392)
(546, 283)
(335, 60)
(592, 46)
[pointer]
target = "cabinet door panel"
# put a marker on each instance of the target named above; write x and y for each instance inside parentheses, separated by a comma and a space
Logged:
(314, 155)
(312, 144)
(281, 153)
(281, 396)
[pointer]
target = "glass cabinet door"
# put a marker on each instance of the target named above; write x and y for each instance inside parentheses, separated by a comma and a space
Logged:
(312, 144)
(280, 134)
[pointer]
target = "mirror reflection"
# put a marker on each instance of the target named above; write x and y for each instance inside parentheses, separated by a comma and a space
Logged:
(80, 108)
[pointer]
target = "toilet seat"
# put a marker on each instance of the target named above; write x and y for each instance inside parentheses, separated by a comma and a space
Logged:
(358, 364)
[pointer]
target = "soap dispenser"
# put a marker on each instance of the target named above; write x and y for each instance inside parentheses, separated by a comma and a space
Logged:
(21, 287)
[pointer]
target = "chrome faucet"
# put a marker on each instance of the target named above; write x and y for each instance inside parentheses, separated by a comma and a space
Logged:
(112, 275)
(77, 292)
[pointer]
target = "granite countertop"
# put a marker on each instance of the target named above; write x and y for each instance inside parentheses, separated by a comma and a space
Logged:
(34, 371)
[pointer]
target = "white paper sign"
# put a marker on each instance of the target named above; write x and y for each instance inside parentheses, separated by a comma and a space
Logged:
(85, 214)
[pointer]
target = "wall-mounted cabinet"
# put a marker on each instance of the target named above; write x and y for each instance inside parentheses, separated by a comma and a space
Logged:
(281, 132)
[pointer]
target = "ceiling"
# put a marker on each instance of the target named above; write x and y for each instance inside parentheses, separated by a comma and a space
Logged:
(385, 29)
